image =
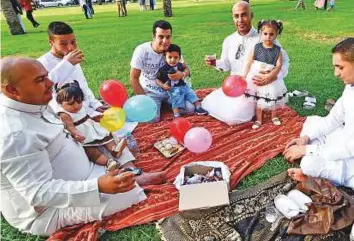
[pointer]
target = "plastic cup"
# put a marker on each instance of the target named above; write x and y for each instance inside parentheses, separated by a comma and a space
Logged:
(211, 58)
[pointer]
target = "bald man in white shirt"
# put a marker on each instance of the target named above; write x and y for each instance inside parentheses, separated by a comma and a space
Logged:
(235, 51)
(326, 144)
(47, 181)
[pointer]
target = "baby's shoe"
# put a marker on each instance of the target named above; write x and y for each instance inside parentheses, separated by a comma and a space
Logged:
(176, 115)
(200, 111)
(276, 121)
(256, 125)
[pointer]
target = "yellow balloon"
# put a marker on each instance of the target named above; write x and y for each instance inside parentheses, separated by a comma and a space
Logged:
(113, 119)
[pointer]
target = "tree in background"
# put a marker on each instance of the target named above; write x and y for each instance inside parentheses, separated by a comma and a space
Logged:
(11, 18)
(167, 8)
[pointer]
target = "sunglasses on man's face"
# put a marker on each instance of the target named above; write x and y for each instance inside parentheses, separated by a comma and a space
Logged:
(240, 51)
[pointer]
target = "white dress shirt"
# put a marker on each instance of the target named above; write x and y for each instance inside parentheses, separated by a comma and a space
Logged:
(62, 71)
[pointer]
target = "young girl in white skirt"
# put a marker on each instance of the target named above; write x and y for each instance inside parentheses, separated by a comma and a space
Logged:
(84, 129)
(266, 58)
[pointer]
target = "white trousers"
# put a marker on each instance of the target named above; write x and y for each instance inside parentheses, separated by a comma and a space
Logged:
(340, 172)
(53, 218)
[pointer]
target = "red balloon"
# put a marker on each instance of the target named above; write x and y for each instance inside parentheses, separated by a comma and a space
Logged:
(179, 128)
(113, 93)
(234, 86)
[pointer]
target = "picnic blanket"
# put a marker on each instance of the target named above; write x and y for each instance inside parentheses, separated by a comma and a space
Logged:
(243, 219)
(242, 149)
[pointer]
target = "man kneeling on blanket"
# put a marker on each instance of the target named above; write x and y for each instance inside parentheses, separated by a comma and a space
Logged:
(47, 181)
(326, 144)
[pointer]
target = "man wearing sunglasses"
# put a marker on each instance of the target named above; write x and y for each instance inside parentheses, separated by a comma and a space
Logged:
(235, 50)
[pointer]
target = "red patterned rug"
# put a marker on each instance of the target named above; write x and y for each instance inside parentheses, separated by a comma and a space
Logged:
(239, 147)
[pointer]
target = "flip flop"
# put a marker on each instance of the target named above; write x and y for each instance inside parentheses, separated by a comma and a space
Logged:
(310, 103)
(298, 93)
(329, 104)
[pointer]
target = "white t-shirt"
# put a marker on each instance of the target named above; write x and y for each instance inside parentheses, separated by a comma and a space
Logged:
(148, 61)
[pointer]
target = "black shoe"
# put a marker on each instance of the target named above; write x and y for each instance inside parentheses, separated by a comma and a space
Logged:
(36, 25)
(201, 111)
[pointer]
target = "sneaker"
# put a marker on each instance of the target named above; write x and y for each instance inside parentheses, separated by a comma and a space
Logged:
(176, 115)
(201, 111)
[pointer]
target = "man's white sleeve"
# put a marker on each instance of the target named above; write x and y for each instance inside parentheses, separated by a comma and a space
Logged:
(223, 63)
(325, 125)
(30, 172)
(61, 71)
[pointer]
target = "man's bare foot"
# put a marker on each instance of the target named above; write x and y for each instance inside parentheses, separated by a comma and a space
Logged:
(152, 178)
(297, 174)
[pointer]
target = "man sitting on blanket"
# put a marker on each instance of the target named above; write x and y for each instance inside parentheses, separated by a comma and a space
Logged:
(47, 181)
(326, 144)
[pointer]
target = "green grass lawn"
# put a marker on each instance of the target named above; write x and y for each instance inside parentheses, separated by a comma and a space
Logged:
(199, 28)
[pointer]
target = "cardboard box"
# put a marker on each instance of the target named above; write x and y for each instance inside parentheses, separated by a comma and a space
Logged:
(202, 195)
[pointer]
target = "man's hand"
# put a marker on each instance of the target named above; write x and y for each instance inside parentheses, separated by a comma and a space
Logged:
(97, 118)
(293, 153)
(102, 108)
(264, 78)
(113, 182)
(210, 62)
(78, 136)
(301, 141)
(166, 87)
(176, 76)
(74, 57)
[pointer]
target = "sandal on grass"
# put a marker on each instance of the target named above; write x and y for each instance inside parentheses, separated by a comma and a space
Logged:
(329, 104)
(256, 125)
(276, 121)
(310, 103)
(298, 93)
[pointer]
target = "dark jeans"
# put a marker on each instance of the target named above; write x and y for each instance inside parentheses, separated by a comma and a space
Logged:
(31, 19)
(152, 7)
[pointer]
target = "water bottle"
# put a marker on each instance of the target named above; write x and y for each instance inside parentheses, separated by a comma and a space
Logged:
(132, 144)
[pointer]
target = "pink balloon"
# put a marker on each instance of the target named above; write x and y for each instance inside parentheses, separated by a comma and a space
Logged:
(234, 86)
(198, 140)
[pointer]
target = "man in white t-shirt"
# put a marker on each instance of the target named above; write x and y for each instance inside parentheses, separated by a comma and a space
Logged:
(63, 64)
(146, 61)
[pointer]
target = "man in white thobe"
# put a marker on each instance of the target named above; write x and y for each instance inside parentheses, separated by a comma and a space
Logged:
(47, 181)
(235, 51)
(326, 144)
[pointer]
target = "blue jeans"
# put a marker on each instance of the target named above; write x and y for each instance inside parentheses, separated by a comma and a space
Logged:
(165, 98)
(181, 94)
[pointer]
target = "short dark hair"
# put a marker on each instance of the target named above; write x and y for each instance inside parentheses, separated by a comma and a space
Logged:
(69, 92)
(161, 24)
(346, 49)
(59, 28)
(174, 48)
